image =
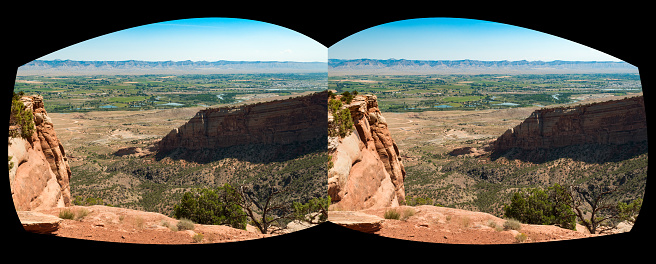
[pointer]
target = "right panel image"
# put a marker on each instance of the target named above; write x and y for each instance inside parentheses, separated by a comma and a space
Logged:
(463, 131)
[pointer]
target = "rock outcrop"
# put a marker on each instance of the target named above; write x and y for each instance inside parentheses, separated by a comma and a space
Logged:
(281, 122)
(367, 171)
(40, 223)
(40, 174)
(357, 221)
(609, 123)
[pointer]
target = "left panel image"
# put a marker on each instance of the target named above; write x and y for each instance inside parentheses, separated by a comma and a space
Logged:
(193, 131)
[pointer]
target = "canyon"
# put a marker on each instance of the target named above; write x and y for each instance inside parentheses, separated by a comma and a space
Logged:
(603, 125)
(293, 122)
(368, 173)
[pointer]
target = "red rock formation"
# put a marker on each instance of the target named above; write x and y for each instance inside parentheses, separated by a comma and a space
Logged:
(606, 123)
(367, 170)
(40, 175)
(297, 119)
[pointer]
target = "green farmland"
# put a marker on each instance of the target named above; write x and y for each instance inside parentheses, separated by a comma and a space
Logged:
(407, 93)
(144, 92)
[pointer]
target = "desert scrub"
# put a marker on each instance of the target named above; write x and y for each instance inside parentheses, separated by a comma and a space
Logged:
(168, 225)
(197, 238)
(521, 238)
(392, 214)
(21, 117)
(71, 215)
(407, 213)
(185, 224)
(465, 221)
(491, 223)
(81, 213)
(139, 222)
(342, 121)
(66, 214)
(396, 215)
(512, 224)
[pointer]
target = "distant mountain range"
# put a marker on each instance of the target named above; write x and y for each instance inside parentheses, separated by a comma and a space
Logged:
(334, 67)
(400, 66)
(71, 67)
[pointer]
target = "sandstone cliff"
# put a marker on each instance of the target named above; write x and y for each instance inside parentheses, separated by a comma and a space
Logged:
(602, 125)
(291, 121)
(40, 174)
(367, 171)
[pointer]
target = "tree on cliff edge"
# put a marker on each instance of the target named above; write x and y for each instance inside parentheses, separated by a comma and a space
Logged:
(342, 123)
(21, 118)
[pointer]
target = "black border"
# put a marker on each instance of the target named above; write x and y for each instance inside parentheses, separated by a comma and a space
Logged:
(34, 29)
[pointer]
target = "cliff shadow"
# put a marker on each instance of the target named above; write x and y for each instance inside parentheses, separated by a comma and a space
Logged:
(254, 153)
(589, 153)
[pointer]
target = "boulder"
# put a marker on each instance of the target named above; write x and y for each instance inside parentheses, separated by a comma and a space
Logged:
(358, 221)
(36, 222)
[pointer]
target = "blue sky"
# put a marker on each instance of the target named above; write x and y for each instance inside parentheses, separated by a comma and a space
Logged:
(459, 39)
(201, 39)
(213, 39)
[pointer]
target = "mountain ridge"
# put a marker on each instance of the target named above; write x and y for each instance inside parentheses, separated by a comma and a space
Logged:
(403, 66)
(58, 67)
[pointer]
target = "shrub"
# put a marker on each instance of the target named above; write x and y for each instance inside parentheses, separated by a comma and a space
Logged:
(139, 222)
(185, 224)
(21, 117)
(197, 238)
(66, 214)
(11, 163)
(168, 225)
(308, 211)
(407, 213)
(392, 214)
(629, 212)
(396, 215)
(342, 120)
(347, 97)
(512, 224)
(521, 238)
(212, 207)
(537, 206)
(81, 213)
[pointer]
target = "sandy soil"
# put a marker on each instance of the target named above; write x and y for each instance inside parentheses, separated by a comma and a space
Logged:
(426, 224)
(454, 226)
(112, 224)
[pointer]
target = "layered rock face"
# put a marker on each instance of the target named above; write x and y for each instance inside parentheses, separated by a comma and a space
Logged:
(40, 175)
(294, 120)
(607, 123)
(367, 170)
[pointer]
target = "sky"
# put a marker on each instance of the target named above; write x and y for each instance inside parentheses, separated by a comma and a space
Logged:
(459, 39)
(200, 39)
(214, 39)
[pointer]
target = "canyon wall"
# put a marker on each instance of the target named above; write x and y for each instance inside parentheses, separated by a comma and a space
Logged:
(39, 177)
(282, 122)
(610, 123)
(367, 171)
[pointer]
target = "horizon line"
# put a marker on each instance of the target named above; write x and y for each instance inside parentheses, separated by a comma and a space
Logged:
(484, 60)
(620, 61)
